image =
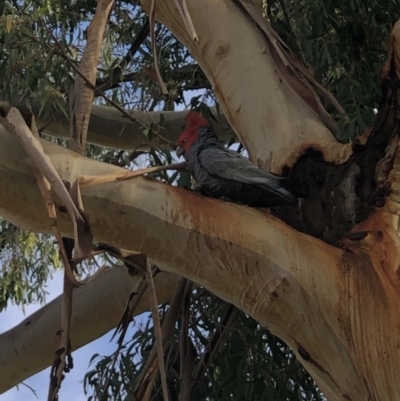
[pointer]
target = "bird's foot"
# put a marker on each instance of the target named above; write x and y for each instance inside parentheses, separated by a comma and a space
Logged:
(225, 199)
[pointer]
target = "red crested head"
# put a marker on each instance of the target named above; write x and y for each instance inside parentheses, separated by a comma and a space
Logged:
(190, 134)
(195, 119)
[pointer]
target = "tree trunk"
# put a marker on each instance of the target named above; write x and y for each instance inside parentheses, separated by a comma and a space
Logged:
(336, 303)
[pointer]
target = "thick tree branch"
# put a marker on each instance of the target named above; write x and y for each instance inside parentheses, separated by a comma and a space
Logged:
(108, 127)
(270, 118)
(29, 347)
(302, 289)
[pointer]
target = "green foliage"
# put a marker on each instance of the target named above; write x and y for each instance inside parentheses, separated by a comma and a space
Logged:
(26, 263)
(345, 44)
(250, 363)
(40, 43)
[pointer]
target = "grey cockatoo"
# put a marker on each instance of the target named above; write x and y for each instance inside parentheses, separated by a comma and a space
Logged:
(223, 173)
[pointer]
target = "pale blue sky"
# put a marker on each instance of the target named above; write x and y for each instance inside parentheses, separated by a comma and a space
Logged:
(72, 387)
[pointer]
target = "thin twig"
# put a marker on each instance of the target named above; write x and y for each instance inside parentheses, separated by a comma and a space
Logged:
(185, 349)
(93, 180)
(30, 388)
(138, 291)
(157, 330)
(133, 301)
(289, 22)
(329, 96)
(149, 371)
(107, 84)
(214, 343)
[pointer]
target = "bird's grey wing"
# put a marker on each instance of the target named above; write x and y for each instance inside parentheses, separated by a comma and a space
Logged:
(232, 166)
(224, 163)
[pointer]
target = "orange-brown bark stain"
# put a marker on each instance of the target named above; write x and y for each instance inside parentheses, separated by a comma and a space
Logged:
(369, 315)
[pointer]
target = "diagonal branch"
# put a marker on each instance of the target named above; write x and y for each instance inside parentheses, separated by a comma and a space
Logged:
(112, 82)
(191, 77)
(214, 343)
(286, 280)
(97, 91)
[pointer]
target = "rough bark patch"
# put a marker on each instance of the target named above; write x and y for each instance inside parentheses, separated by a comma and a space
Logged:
(343, 195)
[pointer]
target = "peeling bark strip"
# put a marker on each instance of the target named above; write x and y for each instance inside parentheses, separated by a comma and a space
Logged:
(16, 125)
(152, 17)
(81, 97)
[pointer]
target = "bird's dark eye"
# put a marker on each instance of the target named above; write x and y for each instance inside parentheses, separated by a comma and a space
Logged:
(183, 141)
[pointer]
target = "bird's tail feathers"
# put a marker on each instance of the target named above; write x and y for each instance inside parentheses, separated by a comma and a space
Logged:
(298, 188)
(279, 196)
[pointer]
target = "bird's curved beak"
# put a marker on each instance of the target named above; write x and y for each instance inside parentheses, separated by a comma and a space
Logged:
(179, 151)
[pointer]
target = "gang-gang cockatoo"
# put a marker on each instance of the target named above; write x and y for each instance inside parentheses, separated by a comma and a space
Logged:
(225, 174)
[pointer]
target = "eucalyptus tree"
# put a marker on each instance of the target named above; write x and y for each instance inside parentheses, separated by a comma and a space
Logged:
(309, 89)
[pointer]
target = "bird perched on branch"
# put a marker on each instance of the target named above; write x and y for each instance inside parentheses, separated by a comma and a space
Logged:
(225, 174)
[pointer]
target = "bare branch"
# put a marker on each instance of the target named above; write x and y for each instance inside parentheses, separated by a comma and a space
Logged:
(87, 181)
(152, 14)
(113, 128)
(157, 330)
(109, 83)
